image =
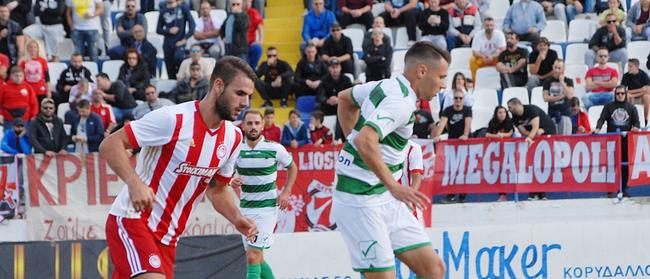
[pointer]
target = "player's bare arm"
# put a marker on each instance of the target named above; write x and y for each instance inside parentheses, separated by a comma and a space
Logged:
(416, 180)
(347, 111)
(222, 201)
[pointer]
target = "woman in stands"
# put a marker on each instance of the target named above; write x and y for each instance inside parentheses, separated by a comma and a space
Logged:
(135, 74)
(36, 72)
(500, 127)
(460, 81)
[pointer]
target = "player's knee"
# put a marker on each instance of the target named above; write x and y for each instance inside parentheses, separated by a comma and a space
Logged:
(254, 256)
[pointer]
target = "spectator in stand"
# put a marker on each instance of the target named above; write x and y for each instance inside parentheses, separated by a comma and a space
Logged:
(12, 42)
(116, 94)
(151, 103)
(500, 127)
(527, 19)
(271, 131)
(638, 21)
(36, 72)
(274, 79)
(599, 6)
(4, 68)
(434, 23)
(316, 25)
(355, 11)
(17, 99)
(207, 31)
(464, 21)
(20, 12)
(378, 22)
(124, 29)
(295, 133)
(486, 47)
(339, 47)
(558, 92)
(575, 7)
(579, 118)
(82, 91)
(255, 34)
(611, 37)
(638, 86)
(147, 6)
(135, 74)
(196, 56)
(87, 130)
(601, 81)
(460, 83)
(310, 73)
(16, 140)
(194, 87)
(333, 83)
(143, 46)
(424, 123)
(104, 111)
(70, 77)
(177, 25)
(402, 12)
(555, 8)
(378, 57)
(512, 63)
(82, 19)
(613, 8)
(234, 31)
(49, 26)
(540, 64)
(46, 133)
(319, 134)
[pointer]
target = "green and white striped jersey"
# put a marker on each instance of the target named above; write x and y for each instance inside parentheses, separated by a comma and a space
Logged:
(388, 106)
(257, 168)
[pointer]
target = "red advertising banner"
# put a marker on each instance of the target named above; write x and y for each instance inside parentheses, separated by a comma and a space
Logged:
(549, 164)
(638, 155)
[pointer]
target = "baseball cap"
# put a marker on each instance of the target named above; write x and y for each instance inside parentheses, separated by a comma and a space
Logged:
(19, 122)
(336, 25)
(334, 62)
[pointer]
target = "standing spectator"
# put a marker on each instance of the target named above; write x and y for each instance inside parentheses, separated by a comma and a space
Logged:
(124, 28)
(275, 78)
(339, 47)
(486, 47)
(17, 99)
(527, 19)
(196, 56)
(70, 77)
(194, 87)
(208, 32)
(48, 26)
(611, 37)
(613, 8)
(46, 133)
(378, 22)
(601, 81)
(295, 133)
(15, 140)
(434, 23)
(319, 134)
(423, 122)
(355, 11)
(106, 23)
(177, 25)
(36, 72)
(316, 25)
(638, 85)
(378, 57)
(540, 64)
(151, 103)
(459, 83)
(333, 83)
(142, 45)
(116, 94)
(235, 31)
(82, 19)
(638, 21)
(135, 74)
(402, 12)
(310, 73)
(81, 91)
(465, 21)
(87, 130)
(255, 34)
(579, 118)
(105, 112)
(271, 131)
(500, 126)
(20, 12)
(575, 7)
(12, 42)
(558, 92)
(512, 63)
(555, 8)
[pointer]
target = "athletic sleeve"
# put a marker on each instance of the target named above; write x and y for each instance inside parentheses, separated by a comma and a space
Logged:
(154, 129)
(283, 157)
(226, 171)
(415, 159)
(361, 91)
(389, 115)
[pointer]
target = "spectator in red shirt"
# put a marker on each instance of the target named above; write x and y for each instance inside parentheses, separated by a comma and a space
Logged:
(17, 99)
(271, 131)
(320, 135)
(579, 118)
(36, 71)
(99, 107)
(255, 24)
(4, 67)
(601, 80)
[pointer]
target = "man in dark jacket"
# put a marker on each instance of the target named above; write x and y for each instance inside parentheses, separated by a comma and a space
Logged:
(194, 87)
(12, 42)
(86, 128)
(70, 77)
(116, 94)
(274, 78)
(46, 133)
(48, 26)
(142, 45)
(378, 57)
(339, 47)
(124, 27)
(332, 84)
(173, 22)
(234, 31)
(611, 37)
(310, 72)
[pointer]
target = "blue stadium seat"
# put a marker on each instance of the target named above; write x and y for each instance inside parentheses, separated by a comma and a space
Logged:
(305, 105)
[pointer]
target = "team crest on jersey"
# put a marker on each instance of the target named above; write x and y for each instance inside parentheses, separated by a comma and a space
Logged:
(221, 151)
(23, 92)
(154, 261)
(187, 169)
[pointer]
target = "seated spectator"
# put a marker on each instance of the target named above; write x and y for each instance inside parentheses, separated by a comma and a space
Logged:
(70, 77)
(176, 24)
(310, 73)
(558, 92)
(449, 4)
(16, 140)
(295, 133)
(317, 24)
(46, 133)
(512, 63)
(319, 134)
(36, 72)
(124, 29)
(234, 31)
(500, 126)
(135, 74)
(434, 23)
(274, 79)
(464, 21)
(486, 47)
(638, 21)
(579, 118)
(12, 35)
(194, 87)
(255, 33)
(402, 12)
(104, 111)
(423, 122)
(613, 8)
(196, 55)
(151, 103)
(339, 47)
(540, 64)
(355, 11)
(526, 18)
(17, 99)
(378, 57)
(333, 83)
(575, 7)
(85, 27)
(271, 131)
(87, 130)
(82, 91)
(378, 22)
(116, 94)
(554, 8)
(48, 26)
(638, 85)
(611, 37)
(208, 32)
(4, 68)
(142, 45)
(460, 83)
(599, 6)
(601, 81)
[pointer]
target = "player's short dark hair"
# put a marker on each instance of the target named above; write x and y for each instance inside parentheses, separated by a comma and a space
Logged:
(228, 67)
(269, 111)
(83, 103)
(252, 111)
(514, 101)
(318, 115)
(426, 52)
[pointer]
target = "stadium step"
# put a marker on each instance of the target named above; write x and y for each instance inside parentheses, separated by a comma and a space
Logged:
(276, 3)
(282, 35)
(283, 22)
(284, 11)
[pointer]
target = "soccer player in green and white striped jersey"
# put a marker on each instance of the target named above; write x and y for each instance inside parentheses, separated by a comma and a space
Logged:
(257, 168)
(369, 205)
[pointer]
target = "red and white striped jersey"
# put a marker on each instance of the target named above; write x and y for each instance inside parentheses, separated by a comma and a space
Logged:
(179, 157)
(413, 163)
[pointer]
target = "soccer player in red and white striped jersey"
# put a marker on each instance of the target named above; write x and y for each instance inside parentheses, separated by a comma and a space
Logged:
(188, 151)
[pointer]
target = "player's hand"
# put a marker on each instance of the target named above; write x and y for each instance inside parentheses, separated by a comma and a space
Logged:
(409, 196)
(283, 200)
(236, 182)
(247, 227)
(142, 196)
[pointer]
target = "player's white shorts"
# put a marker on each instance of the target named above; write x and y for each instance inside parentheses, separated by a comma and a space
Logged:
(374, 235)
(265, 219)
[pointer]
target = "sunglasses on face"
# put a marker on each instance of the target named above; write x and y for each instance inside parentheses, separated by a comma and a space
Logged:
(620, 93)
(48, 108)
(458, 98)
(611, 21)
(271, 55)
(195, 50)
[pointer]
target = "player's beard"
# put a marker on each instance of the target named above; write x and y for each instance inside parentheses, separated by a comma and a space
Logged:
(253, 138)
(222, 108)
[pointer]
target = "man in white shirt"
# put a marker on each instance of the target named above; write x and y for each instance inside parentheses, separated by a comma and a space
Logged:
(196, 55)
(207, 32)
(486, 47)
(152, 102)
(82, 16)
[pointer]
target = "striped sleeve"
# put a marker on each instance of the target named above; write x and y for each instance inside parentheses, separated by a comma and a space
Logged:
(283, 157)
(415, 159)
(154, 129)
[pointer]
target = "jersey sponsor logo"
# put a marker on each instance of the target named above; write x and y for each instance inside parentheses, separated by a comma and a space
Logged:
(221, 151)
(187, 169)
(368, 249)
(154, 261)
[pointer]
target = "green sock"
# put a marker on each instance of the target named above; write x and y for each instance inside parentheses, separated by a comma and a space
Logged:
(267, 273)
(253, 271)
